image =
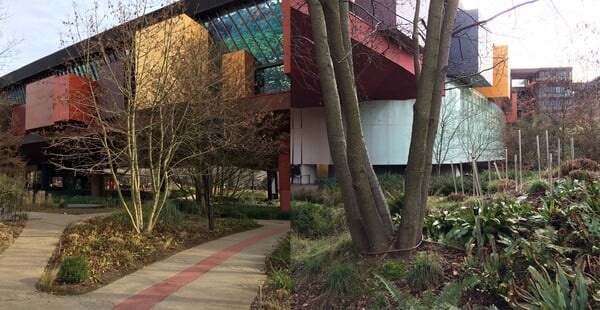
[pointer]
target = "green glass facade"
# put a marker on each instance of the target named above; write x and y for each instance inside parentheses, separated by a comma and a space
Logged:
(255, 26)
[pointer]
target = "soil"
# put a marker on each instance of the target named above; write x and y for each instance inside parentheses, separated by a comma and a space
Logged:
(309, 294)
(9, 231)
(113, 250)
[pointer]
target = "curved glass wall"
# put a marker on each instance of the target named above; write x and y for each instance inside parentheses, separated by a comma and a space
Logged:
(255, 26)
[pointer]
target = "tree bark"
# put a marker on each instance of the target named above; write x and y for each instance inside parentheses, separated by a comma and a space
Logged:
(418, 170)
(334, 125)
(356, 153)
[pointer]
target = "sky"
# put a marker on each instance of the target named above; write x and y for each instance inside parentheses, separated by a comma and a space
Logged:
(548, 33)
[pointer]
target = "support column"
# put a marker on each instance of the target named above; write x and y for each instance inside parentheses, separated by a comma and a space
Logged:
(97, 183)
(285, 199)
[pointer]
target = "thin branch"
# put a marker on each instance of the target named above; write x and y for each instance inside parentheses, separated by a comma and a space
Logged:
(485, 21)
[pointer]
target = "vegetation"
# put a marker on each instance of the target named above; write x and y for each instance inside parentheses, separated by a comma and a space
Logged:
(535, 250)
(74, 269)
(275, 293)
(110, 248)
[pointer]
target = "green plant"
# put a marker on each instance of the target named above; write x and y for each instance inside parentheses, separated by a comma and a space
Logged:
(537, 187)
(396, 204)
(425, 272)
(561, 293)
(342, 279)
(281, 255)
(74, 269)
(392, 184)
(392, 270)
(448, 298)
(281, 279)
(313, 220)
(170, 215)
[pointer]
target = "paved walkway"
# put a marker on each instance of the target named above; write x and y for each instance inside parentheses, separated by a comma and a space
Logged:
(220, 274)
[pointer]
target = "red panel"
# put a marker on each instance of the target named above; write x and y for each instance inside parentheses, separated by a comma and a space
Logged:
(57, 99)
(285, 198)
(38, 103)
(383, 69)
(72, 95)
(18, 120)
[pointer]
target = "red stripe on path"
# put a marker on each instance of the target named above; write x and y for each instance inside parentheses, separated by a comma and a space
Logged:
(153, 295)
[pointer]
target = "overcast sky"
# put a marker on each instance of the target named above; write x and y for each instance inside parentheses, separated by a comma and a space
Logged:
(549, 33)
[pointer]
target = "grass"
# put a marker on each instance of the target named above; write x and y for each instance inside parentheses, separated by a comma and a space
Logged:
(275, 294)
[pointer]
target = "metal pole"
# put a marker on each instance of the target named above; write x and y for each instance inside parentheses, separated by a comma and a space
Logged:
(537, 143)
(558, 155)
(547, 149)
(572, 148)
(516, 173)
(506, 163)
(520, 160)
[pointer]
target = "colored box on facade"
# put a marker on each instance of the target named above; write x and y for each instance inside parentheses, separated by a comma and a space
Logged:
(501, 81)
(238, 74)
(57, 99)
(164, 53)
(18, 120)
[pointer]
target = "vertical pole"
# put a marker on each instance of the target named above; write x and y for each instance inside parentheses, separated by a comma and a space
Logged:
(547, 149)
(516, 173)
(558, 155)
(462, 182)
(550, 174)
(506, 163)
(454, 177)
(572, 148)
(520, 160)
(537, 143)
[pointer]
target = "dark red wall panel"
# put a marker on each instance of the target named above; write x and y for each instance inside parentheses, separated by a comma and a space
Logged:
(57, 99)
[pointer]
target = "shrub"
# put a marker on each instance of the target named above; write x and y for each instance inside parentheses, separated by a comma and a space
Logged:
(326, 182)
(170, 214)
(342, 279)
(502, 185)
(391, 270)
(308, 195)
(313, 220)
(392, 184)
(537, 187)
(74, 269)
(442, 185)
(578, 164)
(456, 197)
(582, 175)
(425, 272)
(396, 204)
(281, 279)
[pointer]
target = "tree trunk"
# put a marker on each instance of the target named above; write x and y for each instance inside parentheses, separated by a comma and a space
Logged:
(334, 125)
(380, 231)
(418, 171)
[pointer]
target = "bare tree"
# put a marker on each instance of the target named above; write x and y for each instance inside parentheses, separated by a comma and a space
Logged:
(160, 88)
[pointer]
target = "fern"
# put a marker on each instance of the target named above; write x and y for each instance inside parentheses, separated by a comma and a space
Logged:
(448, 298)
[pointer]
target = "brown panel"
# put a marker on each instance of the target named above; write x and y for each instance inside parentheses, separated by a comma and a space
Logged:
(238, 74)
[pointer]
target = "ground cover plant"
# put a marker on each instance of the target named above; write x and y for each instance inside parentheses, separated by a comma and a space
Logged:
(110, 248)
(525, 248)
(274, 293)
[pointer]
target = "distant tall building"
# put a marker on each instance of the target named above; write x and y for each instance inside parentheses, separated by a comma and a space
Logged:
(546, 90)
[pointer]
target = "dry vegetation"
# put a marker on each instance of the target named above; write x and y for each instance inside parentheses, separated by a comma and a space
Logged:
(113, 250)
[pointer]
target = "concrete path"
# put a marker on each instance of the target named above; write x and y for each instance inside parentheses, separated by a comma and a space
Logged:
(220, 274)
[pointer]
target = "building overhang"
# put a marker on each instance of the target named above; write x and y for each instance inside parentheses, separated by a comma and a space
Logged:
(383, 69)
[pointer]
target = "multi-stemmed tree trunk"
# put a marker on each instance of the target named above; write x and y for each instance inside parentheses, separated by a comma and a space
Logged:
(430, 85)
(367, 214)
